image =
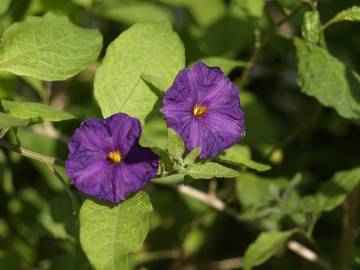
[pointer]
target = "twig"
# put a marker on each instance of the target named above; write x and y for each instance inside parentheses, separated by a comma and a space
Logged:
(157, 255)
(3, 132)
(227, 264)
(74, 202)
(260, 44)
(219, 205)
(213, 187)
(30, 154)
(349, 227)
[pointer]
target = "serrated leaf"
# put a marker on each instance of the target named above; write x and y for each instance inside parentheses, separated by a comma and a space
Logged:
(265, 246)
(145, 48)
(328, 80)
(192, 156)
(108, 234)
(350, 14)
(334, 192)
(28, 110)
(209, 170)
(175, 145)
(236, 156)
(131, 13)
(311, 28)
(11, 121)
(226, 65)
(48, 48)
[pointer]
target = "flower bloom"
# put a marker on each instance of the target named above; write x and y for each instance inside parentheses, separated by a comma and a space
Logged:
(203, 107)
(106, 160)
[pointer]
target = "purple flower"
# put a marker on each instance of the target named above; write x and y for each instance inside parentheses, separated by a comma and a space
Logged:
(106, 160)
(203, 107)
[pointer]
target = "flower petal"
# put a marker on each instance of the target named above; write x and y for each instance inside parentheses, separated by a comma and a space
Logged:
(125, 131)
(140, 166)
(92, 134)
(91, 175)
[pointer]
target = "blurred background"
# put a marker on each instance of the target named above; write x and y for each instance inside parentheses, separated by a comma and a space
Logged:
(304, 142)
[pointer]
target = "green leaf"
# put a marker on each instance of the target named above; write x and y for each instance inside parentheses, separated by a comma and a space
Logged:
(255, 191)
(351, 14)
(58, 219)
(108, 234)
(155, 133)
(258, 119)
(311, 28)
(236, 156)
(334, 192)
(11, 121)
(209, 170)
(226, 65)
(131, 13)
(175, 145)
(192, 156)
(205, 12)
(248, 8)
(28, 110)
(83, 3)
(48, 48)
(170, 179)
(157, 82)
(328, 80)
(265, 246)
(4, 5)
(145, 48)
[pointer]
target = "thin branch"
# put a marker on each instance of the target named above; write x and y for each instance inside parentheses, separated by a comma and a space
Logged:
(260, 44)
(74, 201)
(30, 154)
(349, 227)
(3, 132)
(219, 205)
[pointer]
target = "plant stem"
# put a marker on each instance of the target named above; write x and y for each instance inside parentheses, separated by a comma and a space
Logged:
(296, 247)
(260, 44)
(30, 154)
(74, 201)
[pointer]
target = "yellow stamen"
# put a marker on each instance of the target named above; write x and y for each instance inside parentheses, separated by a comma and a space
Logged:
(114, 157)
(199, 110)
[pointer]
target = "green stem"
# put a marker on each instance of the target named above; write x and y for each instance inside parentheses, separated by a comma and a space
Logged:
(30, 154)
(74, 201)
(260, 44)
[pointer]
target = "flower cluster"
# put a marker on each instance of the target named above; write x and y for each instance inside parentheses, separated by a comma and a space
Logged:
(202, 106)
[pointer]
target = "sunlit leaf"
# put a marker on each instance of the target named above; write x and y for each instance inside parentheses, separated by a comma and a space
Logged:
(28, 110)
(48, 48)
(109, 233)
(146, 48)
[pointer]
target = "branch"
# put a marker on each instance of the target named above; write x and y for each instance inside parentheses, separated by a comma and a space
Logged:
(30, 154)
(220, 206)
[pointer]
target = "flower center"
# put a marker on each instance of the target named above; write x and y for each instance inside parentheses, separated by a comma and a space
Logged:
(199, 110)
(114, 157)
